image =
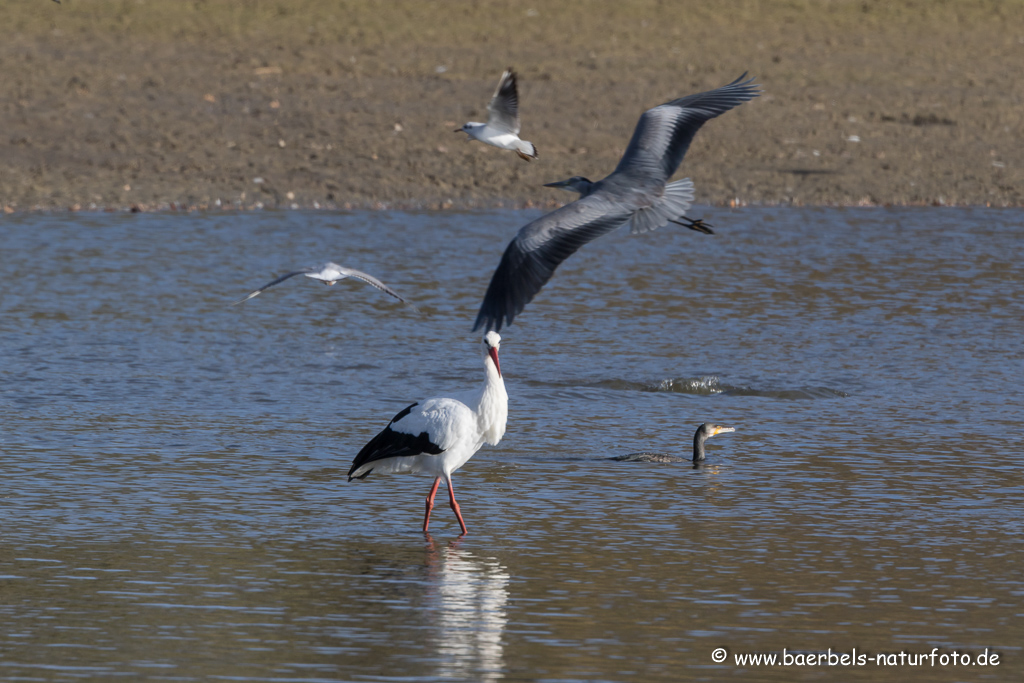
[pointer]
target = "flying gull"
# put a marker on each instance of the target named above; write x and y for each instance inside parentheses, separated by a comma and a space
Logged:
(635, 191)
(328, 273)
(502, 127)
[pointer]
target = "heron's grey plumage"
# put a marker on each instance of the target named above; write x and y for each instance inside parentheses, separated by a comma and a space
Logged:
(635, 188)
(675, 201)
(328, 273)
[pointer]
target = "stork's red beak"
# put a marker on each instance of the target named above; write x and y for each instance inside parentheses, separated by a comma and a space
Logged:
(493, 352)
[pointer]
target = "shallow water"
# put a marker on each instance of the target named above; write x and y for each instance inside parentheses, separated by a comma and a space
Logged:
(174, 503)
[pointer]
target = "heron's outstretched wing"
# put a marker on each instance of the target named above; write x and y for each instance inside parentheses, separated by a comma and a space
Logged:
(664, 133)
(272, 283)
(538, 248)
(504, 106)
(370, 280)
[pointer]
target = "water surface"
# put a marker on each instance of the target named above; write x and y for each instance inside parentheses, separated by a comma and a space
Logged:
(174, 503)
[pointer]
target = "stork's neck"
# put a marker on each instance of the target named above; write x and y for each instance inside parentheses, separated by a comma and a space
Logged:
(492, 407)
(494, 385)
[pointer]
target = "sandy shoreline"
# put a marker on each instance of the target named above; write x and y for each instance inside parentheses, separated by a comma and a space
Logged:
(311, 103)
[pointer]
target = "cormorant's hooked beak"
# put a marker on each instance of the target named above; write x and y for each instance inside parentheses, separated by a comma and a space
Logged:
(722, 430)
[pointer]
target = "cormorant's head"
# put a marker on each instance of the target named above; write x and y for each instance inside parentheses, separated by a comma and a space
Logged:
(703, 433)
(575, 184)
(710, 430)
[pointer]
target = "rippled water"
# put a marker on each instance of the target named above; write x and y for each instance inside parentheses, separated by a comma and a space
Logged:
(174, 507)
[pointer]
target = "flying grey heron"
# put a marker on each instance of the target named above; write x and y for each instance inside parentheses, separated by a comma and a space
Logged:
(635, 191)
(502, 127)
(328, 273)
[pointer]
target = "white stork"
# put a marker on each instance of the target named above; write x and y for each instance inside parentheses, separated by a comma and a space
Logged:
(439, 435)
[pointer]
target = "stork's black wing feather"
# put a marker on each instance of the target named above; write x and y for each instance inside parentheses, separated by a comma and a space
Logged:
(391, 443)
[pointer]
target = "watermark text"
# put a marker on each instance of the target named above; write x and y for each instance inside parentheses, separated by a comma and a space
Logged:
(855, 657)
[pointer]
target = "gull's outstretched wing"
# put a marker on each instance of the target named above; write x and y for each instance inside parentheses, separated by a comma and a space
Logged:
(504, 106)
(538, 248)
(272, 283)
(664, 133)
(368, 279)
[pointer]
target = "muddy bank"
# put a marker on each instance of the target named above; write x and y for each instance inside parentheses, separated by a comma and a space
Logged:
(319, 103)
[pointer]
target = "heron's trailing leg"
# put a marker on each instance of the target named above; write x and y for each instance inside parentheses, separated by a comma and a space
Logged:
(699, 225)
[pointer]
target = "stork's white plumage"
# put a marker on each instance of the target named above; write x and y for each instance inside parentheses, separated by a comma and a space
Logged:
(439, 435)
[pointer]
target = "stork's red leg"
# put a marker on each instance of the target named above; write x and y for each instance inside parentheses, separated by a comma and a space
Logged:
(430, 504)
(455, 506)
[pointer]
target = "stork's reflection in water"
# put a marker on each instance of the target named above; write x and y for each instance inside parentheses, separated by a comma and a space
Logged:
(468, 595)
